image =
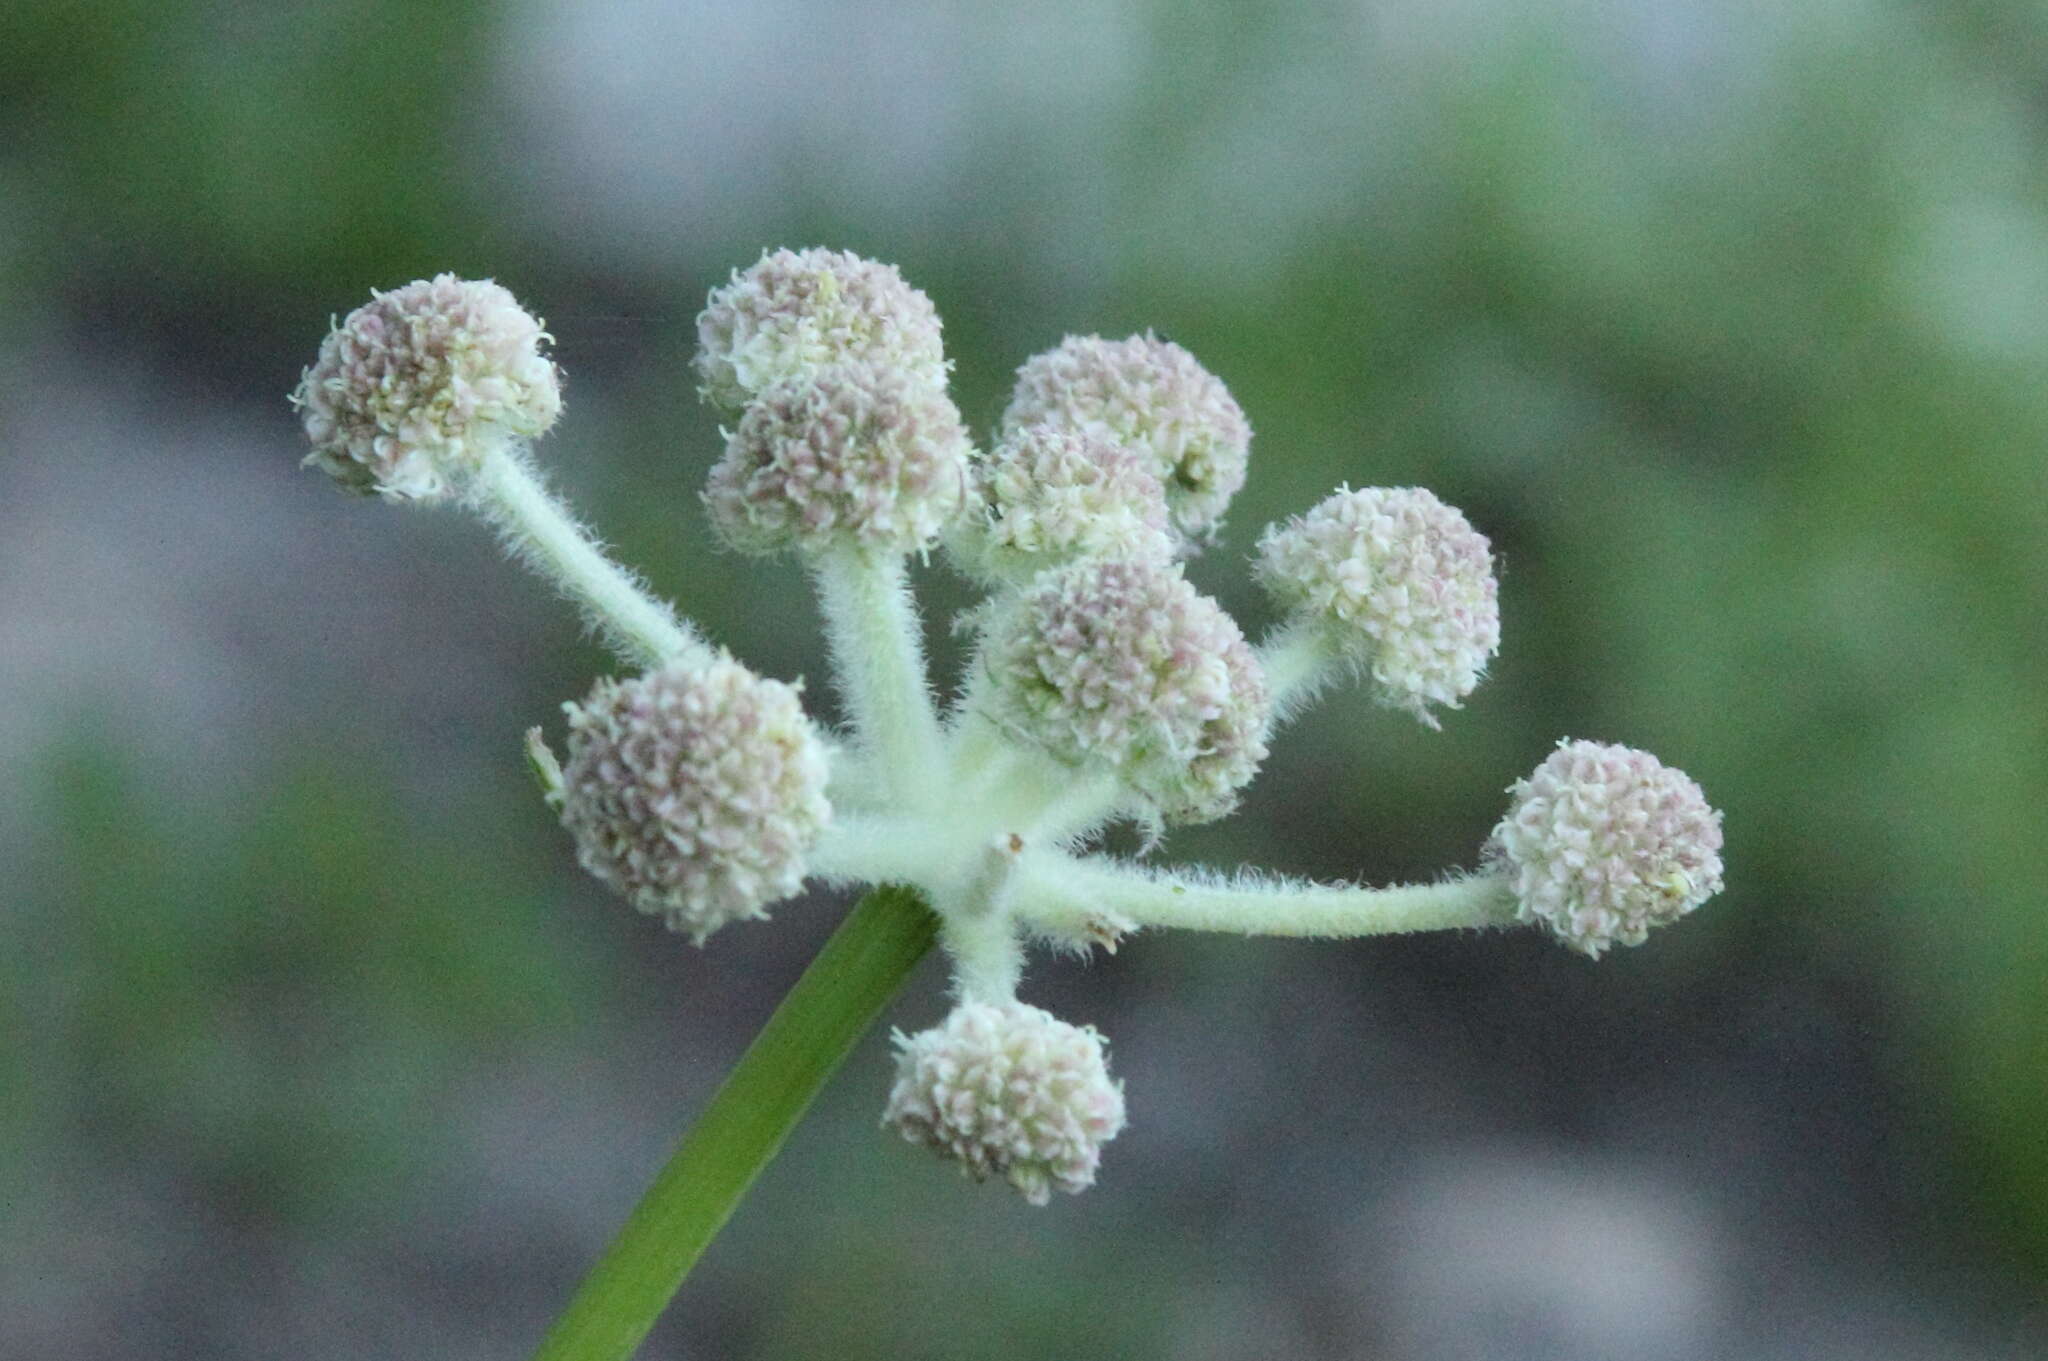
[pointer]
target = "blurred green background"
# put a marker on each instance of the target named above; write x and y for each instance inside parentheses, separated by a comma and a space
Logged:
(1726, 320)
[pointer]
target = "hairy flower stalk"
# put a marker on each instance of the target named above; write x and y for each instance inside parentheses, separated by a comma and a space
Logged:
(428, 393)
(1103, 687)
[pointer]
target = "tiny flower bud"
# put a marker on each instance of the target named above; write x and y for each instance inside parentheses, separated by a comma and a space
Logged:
(1403, 585)
(414, 386)
(695, 791)
(847, 454)
(795, 311)
(1148, 395)
(1010, 1090)
(1121, 662)
(1604, 842)
(1048, 496)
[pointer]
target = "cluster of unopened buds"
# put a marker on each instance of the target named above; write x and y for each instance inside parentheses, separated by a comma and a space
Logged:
(1103, 687)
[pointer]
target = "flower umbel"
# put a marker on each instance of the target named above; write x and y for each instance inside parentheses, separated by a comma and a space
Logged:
(846, 453)
(797, 310)
(1046, 497)
(1604, 842)
(1151, 396)
(695, 791)
(1121, 664)
(1103, 685)
(1397, 583)
(1008, 1090)
(414, 386)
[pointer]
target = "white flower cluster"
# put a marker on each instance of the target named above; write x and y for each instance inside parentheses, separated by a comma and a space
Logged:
(848, 453)
(1011, 1090)
(1103, 686)
(796, 311)
(413, 386)
(695, 791)
(1604, 842)
(1152, 397)
(1120, 664)
(1403, 585)
(1048, 496)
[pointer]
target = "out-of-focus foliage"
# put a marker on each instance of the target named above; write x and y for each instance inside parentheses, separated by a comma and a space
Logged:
(195, 165)
(271, 997)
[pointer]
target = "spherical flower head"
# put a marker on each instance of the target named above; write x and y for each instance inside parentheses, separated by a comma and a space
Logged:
(1148, 395)
(1046, 496)
(1008, 1090)
(1403, 585)
(849, 454)
(1604, 842)
(695, 791)
(1120, 662)
(795, 311)
(415, 386)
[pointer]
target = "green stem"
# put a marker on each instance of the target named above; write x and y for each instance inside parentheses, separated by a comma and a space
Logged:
(810, 1034)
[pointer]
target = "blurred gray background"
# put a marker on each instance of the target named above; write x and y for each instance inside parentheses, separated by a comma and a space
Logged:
(1726, 320)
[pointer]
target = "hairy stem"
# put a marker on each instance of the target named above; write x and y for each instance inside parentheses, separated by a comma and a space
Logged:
(987, 957)
(877, 647)
(540, 532)
(1014, 787)
(976, 928)
(1298, 663)
(812, 1031)
(1072, 896)
(873, 848)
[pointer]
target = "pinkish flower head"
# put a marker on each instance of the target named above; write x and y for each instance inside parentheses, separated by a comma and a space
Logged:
(1008, 1090)
(414, 386)
(1401, 583)
(695, 791)
(1047, 496)
(1120, 662)
(795, 311)
(1604, 842)
(1148, 395)
(848, 454)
